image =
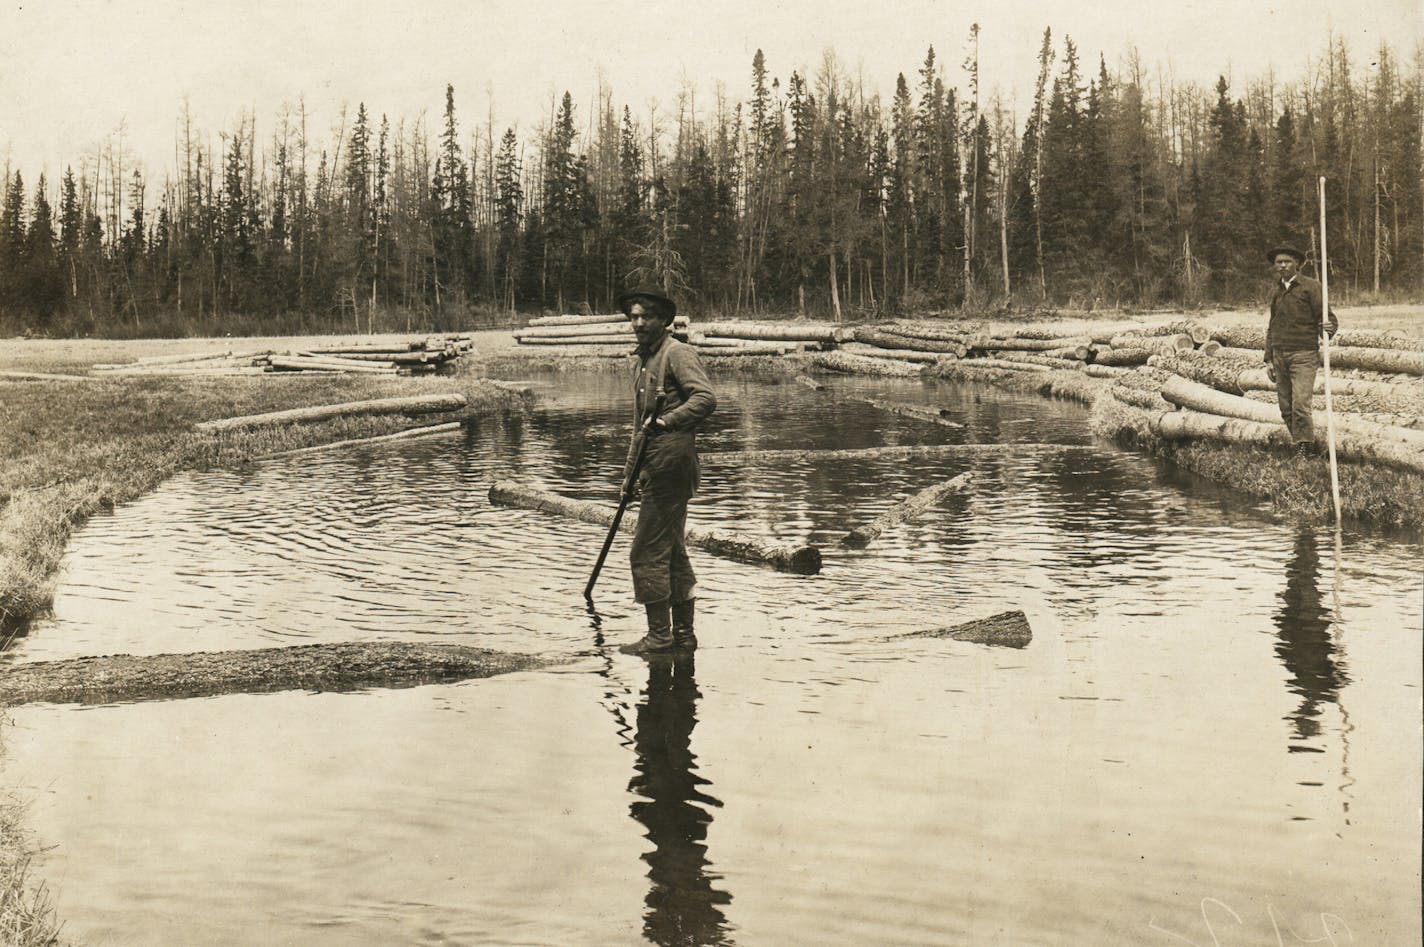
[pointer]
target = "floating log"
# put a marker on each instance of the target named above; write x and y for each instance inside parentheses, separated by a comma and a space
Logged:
(881, 338)
(918, 412)
(425, 430)
(780, 332)
(896, 452)
(916, 505)
(803, 560)
(862, 364)
(328, 667)
(1005, 630)
(418, 404)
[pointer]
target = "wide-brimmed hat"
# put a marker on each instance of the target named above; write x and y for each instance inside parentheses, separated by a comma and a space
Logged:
(655, 303)
(1287, 249)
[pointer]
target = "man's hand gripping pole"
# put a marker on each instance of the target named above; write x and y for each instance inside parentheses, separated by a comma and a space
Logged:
(630, 483)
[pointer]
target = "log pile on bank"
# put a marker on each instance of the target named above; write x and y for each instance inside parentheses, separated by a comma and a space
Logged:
(413, 357)
(1227, 396)
(611, 336)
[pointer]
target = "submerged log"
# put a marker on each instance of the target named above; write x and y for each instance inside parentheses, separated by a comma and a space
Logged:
(325, 667)
(810, 382)
(419, 404)
(862, 364)
(896, 452)
(1005, 630)
(916, 505)
(803, 560)
(918, 412)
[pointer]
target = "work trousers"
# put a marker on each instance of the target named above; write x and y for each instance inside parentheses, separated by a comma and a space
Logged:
(1295, 391)
(661, 569)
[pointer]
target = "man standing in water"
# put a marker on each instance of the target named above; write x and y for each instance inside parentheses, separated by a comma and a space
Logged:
(1293, 342)
(663, 580)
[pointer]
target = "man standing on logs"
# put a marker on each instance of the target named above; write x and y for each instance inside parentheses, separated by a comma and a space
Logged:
(1293, 342)
(663, 580)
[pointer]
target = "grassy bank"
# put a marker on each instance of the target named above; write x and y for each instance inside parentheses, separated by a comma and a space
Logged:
(27, 916)
(76, 448)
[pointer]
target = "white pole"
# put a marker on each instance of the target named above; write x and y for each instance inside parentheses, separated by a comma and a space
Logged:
(1325, 350)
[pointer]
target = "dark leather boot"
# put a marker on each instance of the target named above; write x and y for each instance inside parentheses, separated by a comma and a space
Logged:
(682, 614)
(658, 640)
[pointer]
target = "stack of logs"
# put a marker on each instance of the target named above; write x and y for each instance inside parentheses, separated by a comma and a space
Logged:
(1226, 395)
(417, 356)
(611, 336)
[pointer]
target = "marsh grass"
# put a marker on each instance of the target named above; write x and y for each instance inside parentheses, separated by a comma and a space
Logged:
(27, 912)
(77, 448)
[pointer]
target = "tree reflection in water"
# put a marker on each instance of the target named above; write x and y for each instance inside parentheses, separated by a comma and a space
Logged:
(1306, 646)
(682, 901)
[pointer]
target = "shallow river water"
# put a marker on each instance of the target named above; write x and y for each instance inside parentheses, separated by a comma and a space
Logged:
(1212, 738)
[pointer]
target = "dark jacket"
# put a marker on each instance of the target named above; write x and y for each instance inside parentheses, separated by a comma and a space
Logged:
(670, 465)
(1295, 317)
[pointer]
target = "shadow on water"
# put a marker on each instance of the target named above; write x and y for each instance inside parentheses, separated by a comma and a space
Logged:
(683, 901)
(1305, 644)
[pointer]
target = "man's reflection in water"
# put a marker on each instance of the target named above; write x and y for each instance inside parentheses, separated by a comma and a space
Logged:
(682, 902)
(1306, 646)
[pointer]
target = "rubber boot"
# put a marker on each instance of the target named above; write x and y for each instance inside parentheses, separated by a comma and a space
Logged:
(682, 636)
(658, 640)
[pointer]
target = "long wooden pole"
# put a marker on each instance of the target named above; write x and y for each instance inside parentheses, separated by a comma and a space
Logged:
(1325, 350)
(630, 483)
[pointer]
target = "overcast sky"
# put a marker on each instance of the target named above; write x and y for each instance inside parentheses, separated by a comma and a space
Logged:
(72, 70)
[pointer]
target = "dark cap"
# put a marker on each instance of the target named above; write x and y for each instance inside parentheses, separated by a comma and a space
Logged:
(654, 303)
(1274, 252)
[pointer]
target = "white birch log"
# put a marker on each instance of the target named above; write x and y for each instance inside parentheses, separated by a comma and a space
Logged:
(418, 404)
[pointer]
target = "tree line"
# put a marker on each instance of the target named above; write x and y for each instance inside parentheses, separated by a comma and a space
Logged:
(817, 197)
